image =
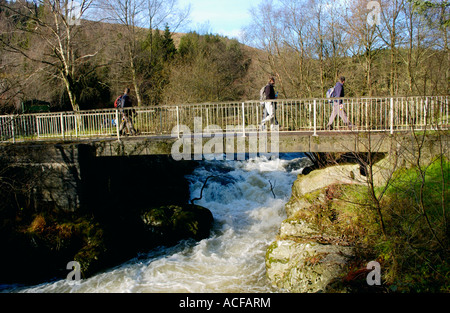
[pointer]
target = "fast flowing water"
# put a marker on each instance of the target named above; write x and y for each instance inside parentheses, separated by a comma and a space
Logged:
(247, 200)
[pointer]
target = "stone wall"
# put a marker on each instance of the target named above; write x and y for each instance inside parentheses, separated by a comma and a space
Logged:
(54, 170)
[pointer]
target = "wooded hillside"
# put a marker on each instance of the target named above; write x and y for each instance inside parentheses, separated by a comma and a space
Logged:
(74, 63)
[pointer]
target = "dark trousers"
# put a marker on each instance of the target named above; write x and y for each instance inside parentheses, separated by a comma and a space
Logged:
(128, 123)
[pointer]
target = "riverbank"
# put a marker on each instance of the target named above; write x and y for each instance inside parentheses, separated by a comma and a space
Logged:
(340, 218)
(317, 240)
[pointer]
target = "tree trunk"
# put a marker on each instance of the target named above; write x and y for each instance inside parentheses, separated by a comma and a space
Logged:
(369, 73)
(68, 82)
(137, 89)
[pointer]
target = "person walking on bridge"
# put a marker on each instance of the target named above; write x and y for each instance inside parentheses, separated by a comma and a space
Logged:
(269, 106)
(338, 106)
(126, 115)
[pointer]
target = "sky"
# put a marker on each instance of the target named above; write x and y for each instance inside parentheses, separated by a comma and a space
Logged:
(223, 17)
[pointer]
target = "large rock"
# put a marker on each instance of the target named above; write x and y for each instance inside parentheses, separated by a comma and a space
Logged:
(319, 179)
(305, 266)
(173, 222)
(310, 251)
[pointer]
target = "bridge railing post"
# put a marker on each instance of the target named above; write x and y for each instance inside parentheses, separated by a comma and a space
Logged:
(61, 118)
(178, 122)
(243, 119)
(12, 129)
(75, 120)
(391, 117)
(117, 125)
(315, 117)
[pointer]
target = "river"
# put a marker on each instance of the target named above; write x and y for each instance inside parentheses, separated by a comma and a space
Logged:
(247, 200)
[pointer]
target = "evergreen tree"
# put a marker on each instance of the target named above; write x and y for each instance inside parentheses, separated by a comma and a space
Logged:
(168, 46)
(157, 52)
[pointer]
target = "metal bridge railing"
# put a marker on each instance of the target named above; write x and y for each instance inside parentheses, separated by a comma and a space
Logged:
(365, 114)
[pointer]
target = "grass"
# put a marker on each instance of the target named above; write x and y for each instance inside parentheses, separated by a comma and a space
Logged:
(415, 253)
(417, 217)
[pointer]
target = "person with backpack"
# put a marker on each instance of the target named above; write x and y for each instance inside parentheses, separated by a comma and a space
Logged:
(121, 103)
(268, 93)
(338, 106)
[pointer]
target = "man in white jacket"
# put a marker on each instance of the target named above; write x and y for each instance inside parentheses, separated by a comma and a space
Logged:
(269, 105)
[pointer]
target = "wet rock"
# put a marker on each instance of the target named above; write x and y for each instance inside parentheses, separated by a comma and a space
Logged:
(309, 252)
(175, 222)
(305, 266)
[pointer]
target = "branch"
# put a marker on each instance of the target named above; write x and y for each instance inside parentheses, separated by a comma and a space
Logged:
(19, 51)
(87, 56)
(201, 191)
(271, 188)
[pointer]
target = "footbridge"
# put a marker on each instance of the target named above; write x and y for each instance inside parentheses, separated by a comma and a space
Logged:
(64, 150)
(196, 130)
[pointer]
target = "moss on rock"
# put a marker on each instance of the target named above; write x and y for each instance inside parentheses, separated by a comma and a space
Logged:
(305, 266)
(316, 241)
(175, 222)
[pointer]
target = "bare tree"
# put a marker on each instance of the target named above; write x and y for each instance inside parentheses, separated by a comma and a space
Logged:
(391, 33)
(295, 40)
(136, 16)
(162, 12)
(315, 31)
(266, 34)
(364, 39)
(58, 26)
(131, 15)
(432, 23)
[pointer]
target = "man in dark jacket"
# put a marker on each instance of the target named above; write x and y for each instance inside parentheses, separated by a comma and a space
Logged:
(126, 115)
(338, 106)
(269, 106)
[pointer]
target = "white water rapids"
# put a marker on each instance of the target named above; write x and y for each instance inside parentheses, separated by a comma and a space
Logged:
(246, 220)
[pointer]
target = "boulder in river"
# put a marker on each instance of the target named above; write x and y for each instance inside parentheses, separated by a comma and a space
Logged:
(176, 222)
